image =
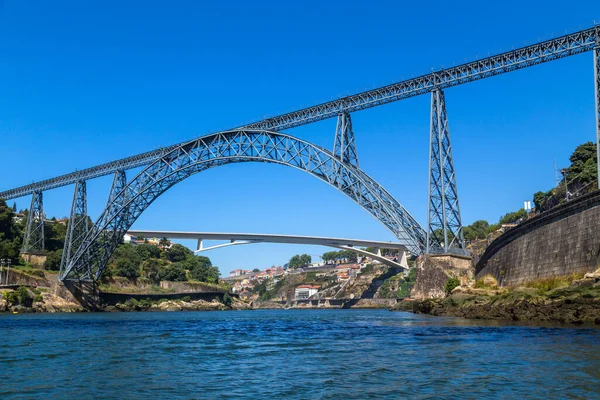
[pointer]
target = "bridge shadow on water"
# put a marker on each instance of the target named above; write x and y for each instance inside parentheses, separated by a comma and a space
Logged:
(376, 283)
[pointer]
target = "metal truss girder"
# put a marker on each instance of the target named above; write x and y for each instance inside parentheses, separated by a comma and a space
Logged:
(444, 212)
(344, 146)
(158, 177)
(564, 46)
(34, 233)
(78, 226)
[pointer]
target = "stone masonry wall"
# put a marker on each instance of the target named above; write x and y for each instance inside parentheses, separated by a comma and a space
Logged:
(433, 272)
(560, 242)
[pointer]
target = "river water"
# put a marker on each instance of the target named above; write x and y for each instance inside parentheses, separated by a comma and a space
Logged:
(292, 354)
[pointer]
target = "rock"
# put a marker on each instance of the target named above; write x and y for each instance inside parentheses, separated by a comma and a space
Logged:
(489, 280)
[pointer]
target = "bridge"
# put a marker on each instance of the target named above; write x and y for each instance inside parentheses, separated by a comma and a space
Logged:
(89, 247)
(250, 238)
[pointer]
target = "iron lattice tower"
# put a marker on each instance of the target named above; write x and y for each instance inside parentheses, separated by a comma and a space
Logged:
(597, 96)
(34, 234)
(118, 184)
(79, 224)
(344, 146)
(444, 228)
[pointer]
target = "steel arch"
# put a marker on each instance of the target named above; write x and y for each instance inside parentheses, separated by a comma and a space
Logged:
(227, 147)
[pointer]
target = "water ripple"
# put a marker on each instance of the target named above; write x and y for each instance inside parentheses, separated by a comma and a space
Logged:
(326, 354)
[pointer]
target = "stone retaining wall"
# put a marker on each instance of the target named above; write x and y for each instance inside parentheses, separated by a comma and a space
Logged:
(560, 242)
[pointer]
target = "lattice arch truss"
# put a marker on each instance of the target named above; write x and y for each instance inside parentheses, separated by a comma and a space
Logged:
(232, 147)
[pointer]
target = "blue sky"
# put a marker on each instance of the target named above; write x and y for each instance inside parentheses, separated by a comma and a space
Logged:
(82, 84)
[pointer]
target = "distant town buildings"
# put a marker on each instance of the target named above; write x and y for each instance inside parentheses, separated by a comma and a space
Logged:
(133, 240)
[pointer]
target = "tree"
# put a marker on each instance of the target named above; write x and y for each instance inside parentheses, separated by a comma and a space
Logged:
(178, 253)
(53, 259)
(256, 270)
(174, 273)
(10, 235)
(151, 269)
(477, 230)
(512, 217)
(14, 207)
(146, 251)
(126, 268)
(299, 261)
(329, 256)
(164, 243)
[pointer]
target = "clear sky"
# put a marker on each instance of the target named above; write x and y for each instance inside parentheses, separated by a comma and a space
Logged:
(84, 83)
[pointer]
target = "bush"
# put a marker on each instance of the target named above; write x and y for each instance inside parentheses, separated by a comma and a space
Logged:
(186, 299)
(126, 268)
(53, 259)
(227, 300)
(173, 273)
(37, 298)
(451, 284)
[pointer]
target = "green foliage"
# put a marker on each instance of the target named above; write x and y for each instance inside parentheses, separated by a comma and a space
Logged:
(174, 273)
(10, 234)
(477, 230)
(227, 300)
(256, 270)
(345, 255)
(513, 217)
(147, 251)
(54, 236)
(186, 299)
(178, 253)
(451, 284)
(53, 259)
(10, 297)
(299, 261)
(37, 298)
(126, 268)
(151, 269)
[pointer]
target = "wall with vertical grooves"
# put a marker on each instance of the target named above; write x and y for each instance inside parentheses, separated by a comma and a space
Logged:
(560, 242)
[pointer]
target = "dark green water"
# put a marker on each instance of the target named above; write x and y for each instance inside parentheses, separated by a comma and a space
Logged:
(296, 354)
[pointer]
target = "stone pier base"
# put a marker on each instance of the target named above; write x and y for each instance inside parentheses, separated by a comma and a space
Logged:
(433, 271)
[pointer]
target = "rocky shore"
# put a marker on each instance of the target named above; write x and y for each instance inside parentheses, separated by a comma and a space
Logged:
(577, 302)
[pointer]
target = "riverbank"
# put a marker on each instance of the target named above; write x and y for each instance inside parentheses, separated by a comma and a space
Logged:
(575, 302)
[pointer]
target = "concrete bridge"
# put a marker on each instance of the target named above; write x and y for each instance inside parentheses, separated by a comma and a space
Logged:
(249, 238)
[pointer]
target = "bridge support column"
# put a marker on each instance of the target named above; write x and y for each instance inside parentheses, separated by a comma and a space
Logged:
(344, 146)
(403, 260)
(78, 227)
(444, 227)
(34, 234)
(199, 247)
(119, 182)
(597, 95)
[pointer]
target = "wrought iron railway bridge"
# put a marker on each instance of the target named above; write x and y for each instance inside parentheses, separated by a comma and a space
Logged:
(88, 247)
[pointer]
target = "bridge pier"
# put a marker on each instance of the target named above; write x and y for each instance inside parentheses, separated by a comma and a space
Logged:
(444, 227)
(344, 146)
(78, 225)
(597, 96)
(33, 243)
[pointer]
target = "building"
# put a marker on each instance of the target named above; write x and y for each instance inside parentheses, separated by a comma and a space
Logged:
(239, 272)
(347, 271)
(306, 291)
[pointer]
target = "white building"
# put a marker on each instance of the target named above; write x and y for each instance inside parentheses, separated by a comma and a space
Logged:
(306, 291)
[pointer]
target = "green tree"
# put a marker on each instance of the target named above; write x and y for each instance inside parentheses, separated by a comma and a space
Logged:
(53, 259)
(127, 268)
(329, 256)
(477, 230)
(299, 261)
(10, 234)
(227, 300)
(256, 270)
(512, 217)
(151, 269)
(179, 253)
(164, 243)
(451, 284)
(147, 251)
(174, 273)
(14, 207)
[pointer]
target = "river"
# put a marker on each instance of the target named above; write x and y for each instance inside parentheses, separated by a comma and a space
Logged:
(296, 354)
